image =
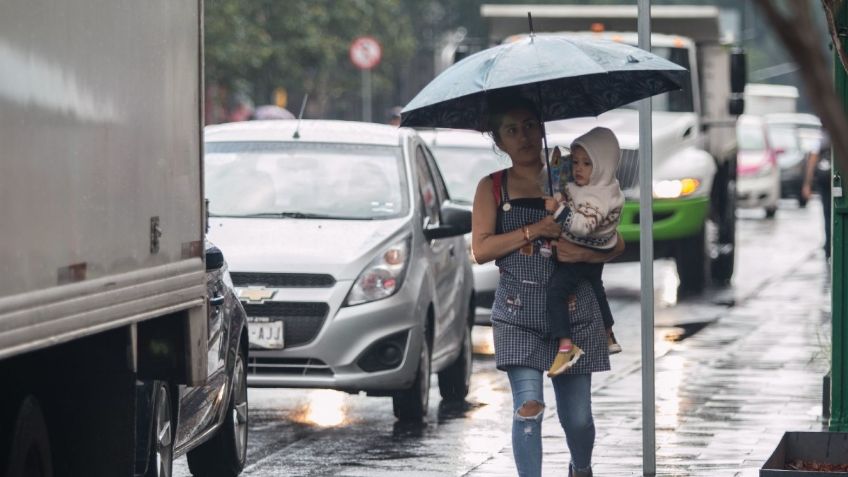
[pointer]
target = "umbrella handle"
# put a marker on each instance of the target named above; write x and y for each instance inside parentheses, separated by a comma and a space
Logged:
(544, 137)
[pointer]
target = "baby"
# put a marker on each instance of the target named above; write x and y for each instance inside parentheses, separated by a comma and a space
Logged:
(589, 212)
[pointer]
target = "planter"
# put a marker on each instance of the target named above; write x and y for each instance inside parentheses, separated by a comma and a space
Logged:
(820, 447)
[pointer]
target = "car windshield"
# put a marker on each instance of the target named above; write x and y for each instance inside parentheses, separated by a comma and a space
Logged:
(463, 167)
(305, 180)
(750, 138)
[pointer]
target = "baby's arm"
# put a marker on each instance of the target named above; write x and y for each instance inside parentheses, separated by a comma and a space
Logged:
(583, 221)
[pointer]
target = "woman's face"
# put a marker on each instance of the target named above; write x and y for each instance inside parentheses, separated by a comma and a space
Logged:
(581, 166)
(521, 137)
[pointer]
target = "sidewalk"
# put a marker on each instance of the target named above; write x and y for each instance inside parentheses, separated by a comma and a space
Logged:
(724, 395)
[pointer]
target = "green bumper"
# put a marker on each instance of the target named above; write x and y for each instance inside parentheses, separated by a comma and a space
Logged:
(673, 218)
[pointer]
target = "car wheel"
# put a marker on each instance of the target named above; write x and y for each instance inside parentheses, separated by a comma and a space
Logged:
(455, 380)
(771, 210)
(225, 454)
(161, 459)
(29, 455)
(411, 404)
(691, 261)
(721, 232)
(802, 202)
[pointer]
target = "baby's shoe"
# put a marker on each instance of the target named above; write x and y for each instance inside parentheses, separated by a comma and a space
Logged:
(565, 360)
(612, 344)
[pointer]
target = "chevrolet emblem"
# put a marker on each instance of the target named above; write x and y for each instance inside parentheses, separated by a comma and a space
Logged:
(256, 294)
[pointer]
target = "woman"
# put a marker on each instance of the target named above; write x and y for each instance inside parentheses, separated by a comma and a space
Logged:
(510, 225)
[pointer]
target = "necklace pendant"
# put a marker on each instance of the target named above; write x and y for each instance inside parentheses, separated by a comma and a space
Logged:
(506, 207)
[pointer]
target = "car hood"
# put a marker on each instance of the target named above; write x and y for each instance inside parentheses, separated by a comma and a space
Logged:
(340, 248)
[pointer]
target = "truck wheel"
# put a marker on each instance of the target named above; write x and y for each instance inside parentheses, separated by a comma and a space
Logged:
(455, 380)
(722, 240)
(161, 459)
(691, 261)
(29, 454)
(225, 454)
(411, 404)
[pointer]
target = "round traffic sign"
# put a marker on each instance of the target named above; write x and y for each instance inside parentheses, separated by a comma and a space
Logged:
(365, 52)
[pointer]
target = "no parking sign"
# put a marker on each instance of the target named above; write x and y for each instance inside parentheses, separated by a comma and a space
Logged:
(365, 52)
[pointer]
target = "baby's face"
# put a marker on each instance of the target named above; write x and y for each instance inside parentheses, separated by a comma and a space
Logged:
(581, 166)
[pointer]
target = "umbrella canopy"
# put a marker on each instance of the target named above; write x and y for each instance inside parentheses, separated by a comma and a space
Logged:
(567, 77)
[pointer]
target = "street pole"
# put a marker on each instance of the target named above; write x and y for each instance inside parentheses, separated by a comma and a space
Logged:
(366, 95)
(839, 315)
(646, 258)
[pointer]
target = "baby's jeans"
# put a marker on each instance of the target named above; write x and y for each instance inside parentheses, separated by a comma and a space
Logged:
(574, 408)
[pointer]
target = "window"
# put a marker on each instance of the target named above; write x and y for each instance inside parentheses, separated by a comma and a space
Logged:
(426, 187)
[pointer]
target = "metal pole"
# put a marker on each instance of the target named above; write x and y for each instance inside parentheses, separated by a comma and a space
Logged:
(366, 95)
(839, 255)
(646, 258)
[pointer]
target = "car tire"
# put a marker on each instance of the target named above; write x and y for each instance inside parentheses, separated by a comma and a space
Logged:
(771, 210)
(161, 457)
(802, 202)
(455, 380)
(225, 453)
(722, 233)
(691, 262)
(29, 452)
(411, 404)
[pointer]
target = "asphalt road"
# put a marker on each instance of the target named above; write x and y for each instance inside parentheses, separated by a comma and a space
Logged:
(323, 432)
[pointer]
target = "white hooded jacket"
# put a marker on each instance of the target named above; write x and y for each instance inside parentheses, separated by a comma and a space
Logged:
(595, 209)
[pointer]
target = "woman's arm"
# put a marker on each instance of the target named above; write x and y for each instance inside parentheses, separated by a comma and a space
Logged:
(486, 245)
(573, 253)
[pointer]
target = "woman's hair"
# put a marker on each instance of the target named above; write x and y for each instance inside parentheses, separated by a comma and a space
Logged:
(499, 105)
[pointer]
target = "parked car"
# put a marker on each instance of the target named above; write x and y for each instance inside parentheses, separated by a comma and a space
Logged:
(464, 157)
(758, 177)
(348, 255)
(208, 422)
(799, 134)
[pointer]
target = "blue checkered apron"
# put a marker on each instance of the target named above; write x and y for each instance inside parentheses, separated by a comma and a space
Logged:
(519, 315)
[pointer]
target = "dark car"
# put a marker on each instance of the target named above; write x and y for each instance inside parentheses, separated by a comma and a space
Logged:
(208, 422)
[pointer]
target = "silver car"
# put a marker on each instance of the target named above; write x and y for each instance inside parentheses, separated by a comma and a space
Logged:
(348, 256)
(465, 157)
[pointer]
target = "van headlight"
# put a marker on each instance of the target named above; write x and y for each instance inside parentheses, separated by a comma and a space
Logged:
(673, 189)
(383, 276)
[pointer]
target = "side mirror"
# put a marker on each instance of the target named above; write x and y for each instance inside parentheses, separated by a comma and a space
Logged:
(456, 220)
(738, 71)
(736, 104)
(214, 259)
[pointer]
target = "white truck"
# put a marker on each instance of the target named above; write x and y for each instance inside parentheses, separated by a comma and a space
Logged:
(694, 158)
(103, 277)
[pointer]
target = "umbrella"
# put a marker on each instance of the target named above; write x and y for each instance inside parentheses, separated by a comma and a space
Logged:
(567, 77)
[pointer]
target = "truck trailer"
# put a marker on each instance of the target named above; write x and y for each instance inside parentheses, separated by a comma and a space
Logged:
(103, 277)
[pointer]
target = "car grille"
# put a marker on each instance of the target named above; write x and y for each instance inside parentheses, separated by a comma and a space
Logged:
(288, 366)
(283, 280)
(302, 320)
(628, 169)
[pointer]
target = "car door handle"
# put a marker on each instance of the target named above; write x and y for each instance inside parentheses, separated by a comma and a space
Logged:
(451, 250)
(217, 300)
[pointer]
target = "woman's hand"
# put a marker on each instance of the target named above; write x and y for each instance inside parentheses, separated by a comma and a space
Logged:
(551, 204)
(547, 228)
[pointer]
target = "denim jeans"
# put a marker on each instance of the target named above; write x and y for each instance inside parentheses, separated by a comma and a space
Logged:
(574, 408)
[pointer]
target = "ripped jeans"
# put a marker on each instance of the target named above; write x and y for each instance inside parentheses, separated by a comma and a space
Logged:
(574, 408)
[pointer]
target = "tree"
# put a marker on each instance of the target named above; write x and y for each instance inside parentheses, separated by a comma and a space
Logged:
(792, 22)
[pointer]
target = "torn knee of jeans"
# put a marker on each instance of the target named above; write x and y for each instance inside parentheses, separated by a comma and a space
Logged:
(530, 410)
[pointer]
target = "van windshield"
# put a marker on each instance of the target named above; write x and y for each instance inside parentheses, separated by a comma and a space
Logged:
(305, 180)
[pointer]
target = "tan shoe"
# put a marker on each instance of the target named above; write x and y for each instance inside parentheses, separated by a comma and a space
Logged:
(612, 344)
(565, 360)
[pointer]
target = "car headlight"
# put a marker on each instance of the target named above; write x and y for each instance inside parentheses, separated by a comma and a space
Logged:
(673, 189)
(383, 276)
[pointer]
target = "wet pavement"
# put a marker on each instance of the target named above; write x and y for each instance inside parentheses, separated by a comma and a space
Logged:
(729, 381)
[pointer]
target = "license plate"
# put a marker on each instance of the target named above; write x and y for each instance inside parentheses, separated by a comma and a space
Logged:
(265, 333)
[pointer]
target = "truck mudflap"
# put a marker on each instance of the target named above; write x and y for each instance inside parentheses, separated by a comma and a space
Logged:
(673, 219)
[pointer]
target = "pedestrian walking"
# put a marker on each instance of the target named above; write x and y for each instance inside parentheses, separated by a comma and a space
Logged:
(510, 225)
(817, 175)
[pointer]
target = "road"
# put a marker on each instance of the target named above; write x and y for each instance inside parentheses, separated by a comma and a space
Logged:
(323, 432)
